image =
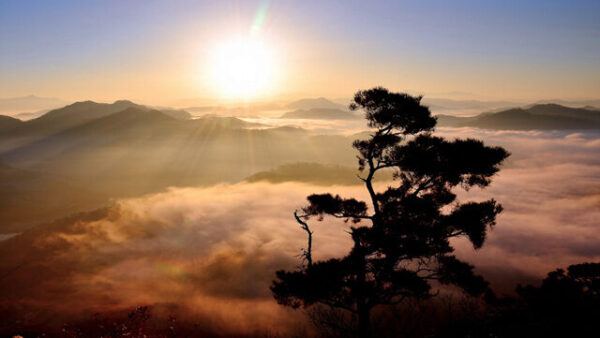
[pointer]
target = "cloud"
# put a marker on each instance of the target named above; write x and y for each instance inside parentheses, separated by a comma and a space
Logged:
(550, 190)
(213, 251)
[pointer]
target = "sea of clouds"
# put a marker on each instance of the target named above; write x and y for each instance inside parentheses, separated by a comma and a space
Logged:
(213, 251)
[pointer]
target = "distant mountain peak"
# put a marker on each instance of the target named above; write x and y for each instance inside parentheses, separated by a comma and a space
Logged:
(79, 103)
(91, 110)
(124, 102)
(591, 108)
(313, 103)
(321, 114)
(542, 116)
(138, 114)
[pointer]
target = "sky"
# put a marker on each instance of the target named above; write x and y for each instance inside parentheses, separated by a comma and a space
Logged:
(163, 52)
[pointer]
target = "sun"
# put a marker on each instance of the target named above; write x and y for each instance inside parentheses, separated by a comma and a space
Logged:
(242, 68)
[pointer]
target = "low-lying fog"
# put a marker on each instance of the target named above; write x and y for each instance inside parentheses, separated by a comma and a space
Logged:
(214, 250)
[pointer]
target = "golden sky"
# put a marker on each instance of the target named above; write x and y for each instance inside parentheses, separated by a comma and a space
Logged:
(165, 53)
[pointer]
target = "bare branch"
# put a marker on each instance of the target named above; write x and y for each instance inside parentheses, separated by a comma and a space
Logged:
(360, 178)
(308, 252)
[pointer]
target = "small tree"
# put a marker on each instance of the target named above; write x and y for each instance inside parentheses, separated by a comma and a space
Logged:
(402, 236)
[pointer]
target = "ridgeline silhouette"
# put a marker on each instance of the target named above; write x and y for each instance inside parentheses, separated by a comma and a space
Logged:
(401, 236)
(539, 116)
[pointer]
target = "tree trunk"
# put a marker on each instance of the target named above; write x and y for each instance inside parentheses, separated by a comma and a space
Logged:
(362, 307)
(364, 321)
(364, 311)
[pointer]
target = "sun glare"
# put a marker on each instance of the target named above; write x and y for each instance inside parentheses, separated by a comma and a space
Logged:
(242, 68)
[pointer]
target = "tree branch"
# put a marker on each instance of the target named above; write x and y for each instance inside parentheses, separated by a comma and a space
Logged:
(422, 186)
(308, 252)
(352, 216)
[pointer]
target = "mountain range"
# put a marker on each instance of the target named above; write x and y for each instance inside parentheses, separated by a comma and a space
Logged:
(124, 149)
(314, 173)
(539, 116)
(317, 103)
(321, 114)
(57, 120)
(87, 153)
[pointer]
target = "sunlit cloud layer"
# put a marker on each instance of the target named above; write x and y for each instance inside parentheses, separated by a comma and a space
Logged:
(214, 251)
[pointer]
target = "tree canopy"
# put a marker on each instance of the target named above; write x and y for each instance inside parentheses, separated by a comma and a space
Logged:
(401, 236)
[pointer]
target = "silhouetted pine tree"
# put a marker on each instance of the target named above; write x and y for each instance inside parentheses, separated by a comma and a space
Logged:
(401, 235)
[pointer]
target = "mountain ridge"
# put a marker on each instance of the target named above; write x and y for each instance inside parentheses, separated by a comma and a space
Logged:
(67, 117)
(312, 103)
(321, 114)
(540, 116)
